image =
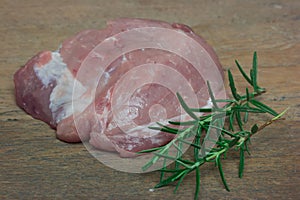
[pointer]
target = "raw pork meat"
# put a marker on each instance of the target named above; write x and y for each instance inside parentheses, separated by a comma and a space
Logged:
(44, 88)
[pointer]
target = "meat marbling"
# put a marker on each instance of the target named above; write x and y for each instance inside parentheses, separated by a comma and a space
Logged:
(44, 89)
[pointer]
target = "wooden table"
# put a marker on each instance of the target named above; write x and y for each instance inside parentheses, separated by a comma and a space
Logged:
(34, 165)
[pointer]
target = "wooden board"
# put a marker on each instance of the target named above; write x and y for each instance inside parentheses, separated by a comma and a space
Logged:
(34, 165)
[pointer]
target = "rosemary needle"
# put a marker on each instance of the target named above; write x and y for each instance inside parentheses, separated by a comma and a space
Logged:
(237, 110)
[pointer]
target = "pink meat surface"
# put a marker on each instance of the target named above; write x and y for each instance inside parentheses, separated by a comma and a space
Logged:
(44, 89)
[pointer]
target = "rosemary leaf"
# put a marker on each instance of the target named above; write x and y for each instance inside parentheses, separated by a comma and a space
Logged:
(170, 179)
(247, 94)
(239, 120)
(263, 107)
(197, 142)
(185, 107)
(243, 73)
(254, 129)
(225, 101)
(223, 130)
(231, 120)
(211, 94)
(219, 165)
(164, 156)
(201, 109)
(254, 72)
(149, 150)
(179, 182)
(168, 130)
(232, 86)
(247, 109)
(162, 174)
(187, 123)
(169, 170)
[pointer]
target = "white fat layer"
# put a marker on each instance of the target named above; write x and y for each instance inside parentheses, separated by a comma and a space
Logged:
(61, 96)
(51, 71)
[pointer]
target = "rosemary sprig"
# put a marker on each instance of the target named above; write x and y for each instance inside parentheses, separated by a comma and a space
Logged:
(201, 127)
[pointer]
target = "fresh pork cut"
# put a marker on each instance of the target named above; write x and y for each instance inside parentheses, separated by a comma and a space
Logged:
(113, 113)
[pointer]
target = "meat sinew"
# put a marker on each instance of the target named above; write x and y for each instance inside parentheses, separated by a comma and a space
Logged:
(118, 117)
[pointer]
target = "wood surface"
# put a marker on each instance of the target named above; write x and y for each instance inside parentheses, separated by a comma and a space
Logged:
(35, 165)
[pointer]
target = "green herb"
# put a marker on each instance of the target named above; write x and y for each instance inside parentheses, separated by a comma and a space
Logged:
(237, 111)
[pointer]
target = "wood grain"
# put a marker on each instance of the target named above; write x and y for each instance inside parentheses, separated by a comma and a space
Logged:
(34, 165)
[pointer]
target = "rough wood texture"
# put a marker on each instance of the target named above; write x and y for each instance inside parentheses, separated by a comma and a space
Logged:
(34, 165)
